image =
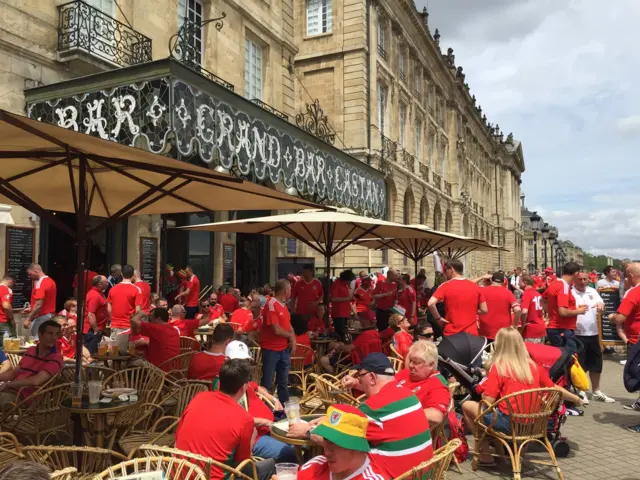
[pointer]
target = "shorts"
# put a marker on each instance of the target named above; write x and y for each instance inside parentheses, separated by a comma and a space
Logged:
(540, 340)
(502, 425)
(591, 356)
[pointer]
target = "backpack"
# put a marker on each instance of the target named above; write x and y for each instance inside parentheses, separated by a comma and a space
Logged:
(632, 369)
(579, 377)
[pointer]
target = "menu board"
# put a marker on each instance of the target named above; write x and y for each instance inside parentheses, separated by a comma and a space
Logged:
(149, 261)
(20, 253)
(611, 298)
(228, 264)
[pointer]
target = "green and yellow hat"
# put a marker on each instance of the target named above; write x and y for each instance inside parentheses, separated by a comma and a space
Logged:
(346, 426)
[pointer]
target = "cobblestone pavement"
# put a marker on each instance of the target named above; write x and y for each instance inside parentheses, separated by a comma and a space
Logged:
(601, 447)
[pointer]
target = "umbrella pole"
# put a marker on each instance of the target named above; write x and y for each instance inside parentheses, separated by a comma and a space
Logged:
(327, 286)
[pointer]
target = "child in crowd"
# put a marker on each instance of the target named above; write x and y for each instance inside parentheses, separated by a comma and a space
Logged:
(317, 324)
(70, 309)
(66, 344)
(299, 324)
(402, 339)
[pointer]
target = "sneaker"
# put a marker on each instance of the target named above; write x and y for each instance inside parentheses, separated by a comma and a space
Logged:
(601, 397)
(633, 406)
(583, 395)
(634, 428)
(623, 362)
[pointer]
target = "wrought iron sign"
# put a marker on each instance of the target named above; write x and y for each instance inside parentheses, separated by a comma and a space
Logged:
(169, 116)
(315, 122)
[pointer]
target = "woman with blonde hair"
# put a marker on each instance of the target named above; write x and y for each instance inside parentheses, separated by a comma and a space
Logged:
(402, 339)
(511, 370)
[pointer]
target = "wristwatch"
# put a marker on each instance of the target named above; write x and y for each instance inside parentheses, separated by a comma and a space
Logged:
(307, 435)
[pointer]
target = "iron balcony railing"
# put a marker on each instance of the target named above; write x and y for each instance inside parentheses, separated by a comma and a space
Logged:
(83, 28)
(389, 148)
(437, 180)
(381, 51)
(447, 188)
(475, 207)
(482, 212)
(403, 76)
(409, 161)
(424, 172)
(269, 108)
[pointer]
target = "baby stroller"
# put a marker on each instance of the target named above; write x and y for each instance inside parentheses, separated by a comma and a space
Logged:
(462, 355)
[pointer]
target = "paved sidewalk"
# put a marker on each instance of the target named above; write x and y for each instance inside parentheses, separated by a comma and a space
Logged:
(601, 447)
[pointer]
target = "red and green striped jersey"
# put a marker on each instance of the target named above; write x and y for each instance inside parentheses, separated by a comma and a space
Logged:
(318, 469)
(398, 430)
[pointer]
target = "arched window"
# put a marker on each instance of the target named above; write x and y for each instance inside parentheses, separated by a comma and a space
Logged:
(408, 208)
(437, 218)
(448, 221)
(424, 211)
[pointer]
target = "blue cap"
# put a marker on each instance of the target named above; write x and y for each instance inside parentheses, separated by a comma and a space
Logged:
(376, 363)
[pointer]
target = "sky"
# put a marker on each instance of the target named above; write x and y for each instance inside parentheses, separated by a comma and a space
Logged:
(562, 75)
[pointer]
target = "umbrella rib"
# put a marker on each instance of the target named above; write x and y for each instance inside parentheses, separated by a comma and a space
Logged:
(36, 170)
(7, 154)
(28, 128)
(353, 227)
(90, 201)
(288, 229)
(351, 242)
(273, 227)
(72, 181)
(95, 183)
(315, 239)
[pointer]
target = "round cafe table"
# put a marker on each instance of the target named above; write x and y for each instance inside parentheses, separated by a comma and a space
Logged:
(320, 345)
(298, 443)
(119, 362)
(93, 418)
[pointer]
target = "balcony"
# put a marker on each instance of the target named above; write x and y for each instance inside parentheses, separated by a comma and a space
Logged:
(402, 76)
(409, 161)
(482, 212)
(437, 181)
(389, 148)
(93, 39)
(447, 188)
(424, 172)
(381, 51)
(475, 207)
(270, 109)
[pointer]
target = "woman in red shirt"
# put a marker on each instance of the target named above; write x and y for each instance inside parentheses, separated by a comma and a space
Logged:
(341, 298)
(511, 370)
(364, 295)
(402, 340)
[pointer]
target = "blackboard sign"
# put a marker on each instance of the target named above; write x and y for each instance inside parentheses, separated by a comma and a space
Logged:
(608, 333)
(149, 261)
(291, 246)
(228, 264)
(20, 253)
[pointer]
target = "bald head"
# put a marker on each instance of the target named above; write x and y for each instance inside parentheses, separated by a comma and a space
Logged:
(178, 311)
(633, 273)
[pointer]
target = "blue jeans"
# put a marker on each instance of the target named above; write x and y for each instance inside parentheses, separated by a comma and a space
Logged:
(503, 424)
(560, 337)
(278, 363)
(35, 324)
(268, 447)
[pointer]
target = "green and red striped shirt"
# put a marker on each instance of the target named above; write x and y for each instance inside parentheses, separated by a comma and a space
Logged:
(398, 430)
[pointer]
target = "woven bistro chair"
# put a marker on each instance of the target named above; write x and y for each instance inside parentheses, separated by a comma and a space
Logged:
(172, 468)
(298, 370)
(147, 381)
(436, 467)
(394, 353)
(396, 363)
(9, 448)
(68, 473)
(530, 427)
(208, 465)
(89, 373)
(177, 367)
(180, 396)
(14, 359)
(188, 344)
(256, 356)
(88, 461)
(438, 432)
(331, 391)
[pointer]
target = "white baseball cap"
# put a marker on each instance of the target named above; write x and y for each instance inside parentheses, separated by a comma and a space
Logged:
(237, 350)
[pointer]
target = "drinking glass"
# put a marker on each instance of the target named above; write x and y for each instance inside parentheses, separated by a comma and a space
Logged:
(292, 410)
(95, 388)
(115, 350)
(76, 394)
(102, 349)
(287, 471)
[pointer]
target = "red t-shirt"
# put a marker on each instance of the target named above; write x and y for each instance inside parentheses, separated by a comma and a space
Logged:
(240, 316)
(461, 299)
(406, 297)
(342, 309)
(630, 307)
(89, 275)
(274, 313)
(538, 282)
(368, 341)
(497, 386)
(258, 409)
(402, 341)
(44, 289)
(215, 426)
(123, 297)
(363, 299)
(164, 342)
(433, 392)
(95, 303)
(215, 311)
(229, 302)
(141, 350)
(145, 291)
(205, 365)
(318, 469)
(385, 303)
(305, 293)
(31, 364)
(252, 324)
(6, 295)
(499, 301)
(305, 340)
(187, 327)
(67, 347)
(317, 325)
(534, 322)
(558, 294)
(193, 284)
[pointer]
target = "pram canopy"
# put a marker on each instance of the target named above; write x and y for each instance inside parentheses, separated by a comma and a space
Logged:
(463, 348)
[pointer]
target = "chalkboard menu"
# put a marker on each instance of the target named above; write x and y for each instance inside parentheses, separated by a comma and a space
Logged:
(149, 261)
(228, 264)
(611, 298)
(20, 253)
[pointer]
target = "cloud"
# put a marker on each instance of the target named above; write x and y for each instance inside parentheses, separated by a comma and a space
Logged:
(630, 124)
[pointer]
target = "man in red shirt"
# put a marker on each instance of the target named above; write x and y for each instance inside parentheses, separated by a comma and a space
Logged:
(500, 302)
(187, 328)
(216, 426)
(145, 292)
(43, 299)
(96, 314)
(123, 301)
(89, 275)
(549, 277)
(408, 298)
(368, 341)
(241, 315)
(191, 292)
(206, 365)
(341, 298)
(561, 307)
(277, 340)
(7, 323)
(463, 301)
(307, 293)
(254, 322)
(385, 295)
(164, 339)
(364, 296)
(216, 311)
(533, 328)
(228, 301)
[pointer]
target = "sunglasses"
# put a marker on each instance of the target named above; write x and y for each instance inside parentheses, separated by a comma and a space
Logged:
(205, 305)
(358, 376)
(426, 335)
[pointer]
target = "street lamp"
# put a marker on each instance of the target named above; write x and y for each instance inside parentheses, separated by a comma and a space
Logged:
(535, 220)
(553, 243)
(545, 237)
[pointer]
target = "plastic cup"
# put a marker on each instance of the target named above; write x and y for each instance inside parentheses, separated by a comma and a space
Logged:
(287, 471)
(102, 349)
(76, 394)
(292, 410)
(115, 350)
(95, 388)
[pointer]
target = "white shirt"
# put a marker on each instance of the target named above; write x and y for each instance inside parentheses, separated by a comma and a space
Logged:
(604, 283)
(587, 324)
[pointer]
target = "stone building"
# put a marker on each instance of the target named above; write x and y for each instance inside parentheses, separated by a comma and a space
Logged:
(543, 243)
(572, 252)
(398, 103)
(232, 85)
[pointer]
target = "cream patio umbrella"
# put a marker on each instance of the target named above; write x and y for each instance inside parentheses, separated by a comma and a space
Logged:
(45, 167)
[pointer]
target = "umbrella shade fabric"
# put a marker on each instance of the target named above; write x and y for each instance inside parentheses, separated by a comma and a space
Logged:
(40, 161)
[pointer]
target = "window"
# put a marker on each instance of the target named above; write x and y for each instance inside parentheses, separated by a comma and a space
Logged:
(417, 81)
(418, 140)
(192, 11)
(381, 50)
(319, 17)
(401, 65)
(431, 148)
(252, 70)
(443, 158)
(382, 100)
(403, 112)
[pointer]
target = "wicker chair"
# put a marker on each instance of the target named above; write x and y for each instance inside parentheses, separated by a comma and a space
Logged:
(256, 356)
(89, 372)
(38, 415)
(394, 352)
(14, 359)
(147, 381)
(9, 448)
(188, 344)
(529, 427)
(68, 473)
(298, 369)
(436, 467)
(330, 390)
(438, 433)
(208, 465)
(173, 469)
(396, 363)
(183, 393)
(177, 367)
(88, 461)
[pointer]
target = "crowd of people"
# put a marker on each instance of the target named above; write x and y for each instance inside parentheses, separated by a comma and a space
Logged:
(369, 319)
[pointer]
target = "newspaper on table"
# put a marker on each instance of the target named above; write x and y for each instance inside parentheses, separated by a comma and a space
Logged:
(159, 475)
